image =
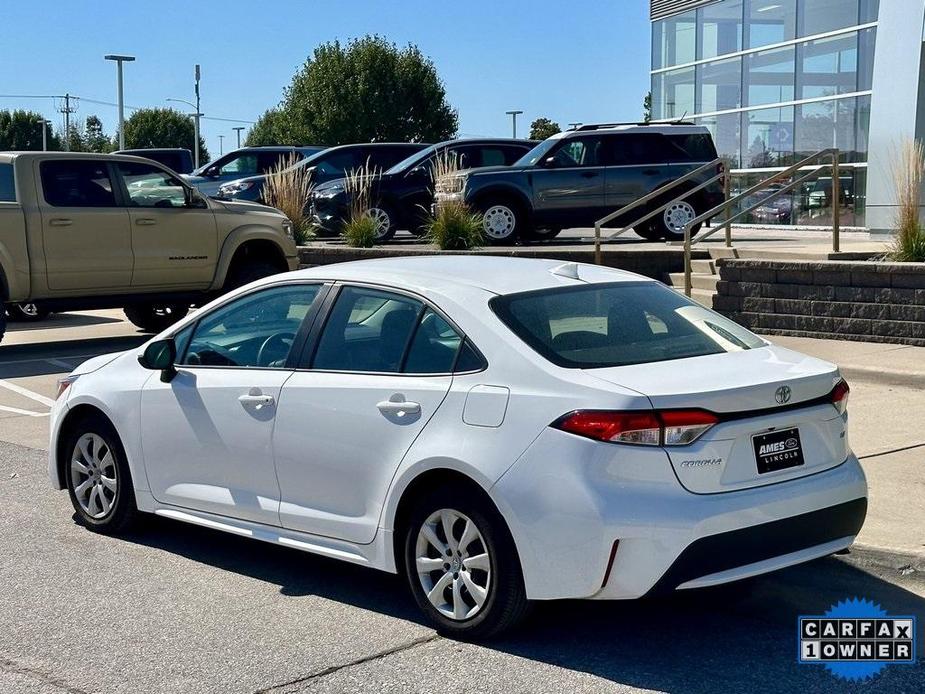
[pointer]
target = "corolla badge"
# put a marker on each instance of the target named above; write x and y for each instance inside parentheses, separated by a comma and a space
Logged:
(782, 395)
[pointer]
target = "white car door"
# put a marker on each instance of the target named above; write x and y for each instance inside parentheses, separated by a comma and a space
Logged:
(207, 434)
(382, 366)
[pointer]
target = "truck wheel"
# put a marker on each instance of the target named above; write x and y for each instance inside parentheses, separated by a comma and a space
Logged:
(247, 272)
(152, 318)
(27, 313)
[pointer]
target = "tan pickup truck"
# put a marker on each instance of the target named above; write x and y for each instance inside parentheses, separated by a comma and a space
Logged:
(83, 231)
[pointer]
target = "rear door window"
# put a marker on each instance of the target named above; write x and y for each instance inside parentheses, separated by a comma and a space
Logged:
(337, 163)
(75, 183)
(7, 183)
(637, 149)
(267, 160)
(618, 324)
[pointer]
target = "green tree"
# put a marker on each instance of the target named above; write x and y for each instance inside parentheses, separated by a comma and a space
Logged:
(94, 139)
(368, 90)
(161, 127)
(22, 130)
(270, 129)
(542, 128)
(647, 108)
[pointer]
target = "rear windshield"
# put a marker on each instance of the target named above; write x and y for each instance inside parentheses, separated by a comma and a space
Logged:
(603, 325)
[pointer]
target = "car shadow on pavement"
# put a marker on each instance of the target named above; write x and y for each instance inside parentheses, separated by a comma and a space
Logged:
(735, 638)
(61, 320)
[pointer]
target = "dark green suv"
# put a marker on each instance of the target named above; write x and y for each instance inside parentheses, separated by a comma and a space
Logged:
(579, 176)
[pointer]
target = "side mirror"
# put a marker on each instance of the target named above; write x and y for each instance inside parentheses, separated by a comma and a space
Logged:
(211, 172)
(193, 198)
(160, 356)
(549, 162)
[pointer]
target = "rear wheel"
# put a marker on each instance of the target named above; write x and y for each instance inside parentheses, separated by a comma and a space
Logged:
(97, 477)
(462, 565)
(27, 313)
(153, 318)
(670, 222)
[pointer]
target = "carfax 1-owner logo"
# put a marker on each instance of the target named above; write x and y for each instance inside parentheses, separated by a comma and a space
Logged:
(856, 639)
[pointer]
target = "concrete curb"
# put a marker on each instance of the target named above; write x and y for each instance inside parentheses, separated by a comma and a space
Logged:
(869, 374)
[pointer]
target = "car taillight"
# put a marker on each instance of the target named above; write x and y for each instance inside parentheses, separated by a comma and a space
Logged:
(840, 396)
(646, 428)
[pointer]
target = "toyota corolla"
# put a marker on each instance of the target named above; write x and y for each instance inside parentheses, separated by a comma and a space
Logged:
(497, 430)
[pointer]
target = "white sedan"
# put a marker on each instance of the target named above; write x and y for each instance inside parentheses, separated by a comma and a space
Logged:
(497, 430)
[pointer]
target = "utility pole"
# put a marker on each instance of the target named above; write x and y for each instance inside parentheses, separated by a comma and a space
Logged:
(67, 110)
(513, 115)
(196, 123)
(221, 148)
(238, 132)
(119, 59)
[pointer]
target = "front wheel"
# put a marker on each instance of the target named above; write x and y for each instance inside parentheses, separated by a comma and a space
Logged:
(97, 477)
(385, 222)
(462, 565)
(503, 222)
(27, 313)
(153, 318)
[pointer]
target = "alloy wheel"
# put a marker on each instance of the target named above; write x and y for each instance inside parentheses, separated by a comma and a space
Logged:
(677, 215)
(94, 475)
(30, 310)
(382, 219)
(453, 564)
(499, 222)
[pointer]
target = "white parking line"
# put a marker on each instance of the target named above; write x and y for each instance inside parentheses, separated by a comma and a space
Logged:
(25, 392)
(28, 413)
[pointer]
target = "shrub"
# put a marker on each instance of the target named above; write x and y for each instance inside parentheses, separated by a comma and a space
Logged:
(455, 227)
(288, 188)
(359, 228)
(908, 173)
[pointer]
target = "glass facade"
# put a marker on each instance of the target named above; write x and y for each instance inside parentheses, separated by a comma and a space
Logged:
(774, 81)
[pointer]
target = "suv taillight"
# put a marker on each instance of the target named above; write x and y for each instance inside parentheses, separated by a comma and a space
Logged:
(840, 396)
(643, 427)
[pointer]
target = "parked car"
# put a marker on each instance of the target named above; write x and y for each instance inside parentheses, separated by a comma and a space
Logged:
(176, 159)
(82, 231)
(247, 161)
(497, 430)
(326, 165)
(403, 194)
(820, 194)
(579, 176)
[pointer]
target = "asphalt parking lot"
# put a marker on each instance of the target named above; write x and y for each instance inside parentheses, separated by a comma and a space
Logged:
(176, 608)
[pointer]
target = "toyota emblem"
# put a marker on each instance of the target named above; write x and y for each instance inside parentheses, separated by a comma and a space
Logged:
(782, 395)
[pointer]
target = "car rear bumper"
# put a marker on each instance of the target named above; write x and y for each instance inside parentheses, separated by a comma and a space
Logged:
(568, 500)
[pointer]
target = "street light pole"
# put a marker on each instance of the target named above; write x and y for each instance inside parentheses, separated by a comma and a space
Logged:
(238, 132)
(45, 124)
(196, 123)
(119, 60)
(513, 115)
(221, 145)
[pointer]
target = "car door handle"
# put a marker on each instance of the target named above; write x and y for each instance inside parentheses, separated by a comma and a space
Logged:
(145, 222)
(590, 174)
(253, 399)
(400, 407)
(60, 222)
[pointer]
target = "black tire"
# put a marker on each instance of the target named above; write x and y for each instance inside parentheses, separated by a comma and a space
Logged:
(248, 271)
(674, 232)
(122, 512)
(384, 212)
(506, 602)
(27, 313)
(496, 211)
(153, 318)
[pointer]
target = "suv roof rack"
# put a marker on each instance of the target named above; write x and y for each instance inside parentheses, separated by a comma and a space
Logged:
(601, 126)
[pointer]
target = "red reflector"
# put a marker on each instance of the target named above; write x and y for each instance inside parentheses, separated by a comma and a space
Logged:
(626, 427)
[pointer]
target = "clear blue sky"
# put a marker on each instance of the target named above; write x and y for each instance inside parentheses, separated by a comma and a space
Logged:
(583, 60)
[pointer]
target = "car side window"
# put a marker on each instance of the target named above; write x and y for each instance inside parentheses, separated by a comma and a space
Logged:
(74, 183)
(367, 330)
(492, 156)
(636, 149)
(338, 163)
(267, 160)
(581, 152)
(434, 346)
(149, 186)
(243, 165)
(7, 183)
(253, 331)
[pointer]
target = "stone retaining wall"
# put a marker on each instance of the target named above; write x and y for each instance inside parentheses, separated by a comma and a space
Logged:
(869, 301)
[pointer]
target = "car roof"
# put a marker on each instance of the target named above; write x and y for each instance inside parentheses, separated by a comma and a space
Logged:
(627, 128)
(441, 273)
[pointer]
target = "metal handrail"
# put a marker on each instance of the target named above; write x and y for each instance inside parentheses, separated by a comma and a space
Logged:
(786, 173)
(646, 198)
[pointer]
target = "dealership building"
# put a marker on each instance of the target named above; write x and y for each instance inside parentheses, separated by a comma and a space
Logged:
(776, 80)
